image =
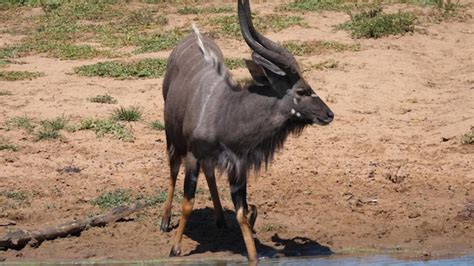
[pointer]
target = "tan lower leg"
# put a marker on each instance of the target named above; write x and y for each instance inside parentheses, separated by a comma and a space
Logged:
(187, 209)
(247, 234)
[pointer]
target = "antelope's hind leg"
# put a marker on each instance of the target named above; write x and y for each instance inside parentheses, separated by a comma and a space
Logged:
(175, 163)
(190, 183)
(208, 170)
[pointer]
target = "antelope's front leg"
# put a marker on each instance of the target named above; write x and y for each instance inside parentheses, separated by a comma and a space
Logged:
(238, 190)
(190, 183)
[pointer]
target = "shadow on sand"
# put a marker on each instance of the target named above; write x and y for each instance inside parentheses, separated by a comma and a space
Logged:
(202, 229)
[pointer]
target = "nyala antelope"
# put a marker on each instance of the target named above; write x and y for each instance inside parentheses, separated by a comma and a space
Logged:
(214, 122)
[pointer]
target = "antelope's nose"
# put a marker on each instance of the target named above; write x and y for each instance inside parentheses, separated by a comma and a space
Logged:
(329, 117)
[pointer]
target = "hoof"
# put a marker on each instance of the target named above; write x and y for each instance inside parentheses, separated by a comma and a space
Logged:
(175, 252)
(165, 224)
(252, 216)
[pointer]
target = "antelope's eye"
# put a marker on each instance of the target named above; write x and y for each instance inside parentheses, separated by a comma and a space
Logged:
(302, 92)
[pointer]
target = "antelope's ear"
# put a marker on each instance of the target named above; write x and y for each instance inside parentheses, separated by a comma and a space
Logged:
(267, 65)
(257, 72)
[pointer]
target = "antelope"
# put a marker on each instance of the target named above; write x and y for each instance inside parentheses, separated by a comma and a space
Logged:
(214, 122)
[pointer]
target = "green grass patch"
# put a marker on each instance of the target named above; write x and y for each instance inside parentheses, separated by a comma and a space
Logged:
(186, 10)
(317, 47)
(316, 5)
(113, 199)
(145, 68)
(234, 63)
(49, 129)
(104, 127)
(20, 122)
(19, 75)
(74, 51)
(130, 114)
(107, 99)
(119, 197)
(157, 125)
(228, 26)
(158, 41)
(468, 138)
(13, 51)
(373, 23)
(5, 93)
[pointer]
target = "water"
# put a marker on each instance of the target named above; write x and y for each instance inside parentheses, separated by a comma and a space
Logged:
(327, 260)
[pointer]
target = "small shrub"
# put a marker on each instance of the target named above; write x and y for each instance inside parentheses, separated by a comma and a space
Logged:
(103, 99)
(19, 75)
(145, 68)
(132, 113)
(21, 122)
(50, 128)
(157, 125)
(113, 199)
(468, 138)
(106, 126)
(56, 124)
(47, 134)
(373, 23)
(6, 146)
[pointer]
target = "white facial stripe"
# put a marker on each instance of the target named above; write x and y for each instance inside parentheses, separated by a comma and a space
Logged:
(314, 95)
(293, 111)
(295, 101)
(298, 114)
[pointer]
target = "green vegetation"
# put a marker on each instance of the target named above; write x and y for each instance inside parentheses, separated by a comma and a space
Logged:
(157, 125)
(20, 122)
(373, 23)
(233, 63)
(132, 113)
(5, 93)
(317, 47)
(228, 25)
(120, 197)
(19, 196)
(158, 41)
(103, 99)
(186, 10)
(316, 5)
(103, 127)
(113, 199)
(468, 138)
(50, 128)
(145, 68)
(7, 146)
(19, 75)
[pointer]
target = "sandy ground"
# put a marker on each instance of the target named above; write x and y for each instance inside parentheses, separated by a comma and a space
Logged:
(388, 175)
